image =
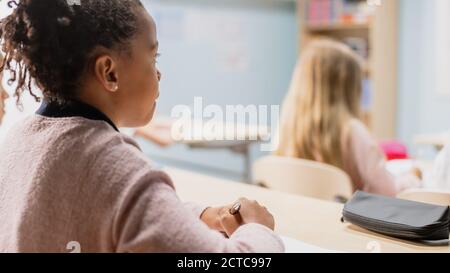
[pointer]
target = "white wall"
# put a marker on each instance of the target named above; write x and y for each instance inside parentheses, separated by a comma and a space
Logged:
(423, 106)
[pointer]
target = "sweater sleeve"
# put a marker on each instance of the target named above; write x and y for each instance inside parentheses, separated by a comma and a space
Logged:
(151, 218)
(370, 164)
(195, 208)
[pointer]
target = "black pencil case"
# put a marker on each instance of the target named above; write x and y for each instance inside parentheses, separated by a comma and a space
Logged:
(398, 218)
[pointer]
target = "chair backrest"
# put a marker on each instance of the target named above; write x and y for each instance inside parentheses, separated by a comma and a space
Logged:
(303, 177)
(441, 198)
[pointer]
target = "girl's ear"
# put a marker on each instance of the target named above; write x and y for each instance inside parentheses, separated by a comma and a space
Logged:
(106, 73)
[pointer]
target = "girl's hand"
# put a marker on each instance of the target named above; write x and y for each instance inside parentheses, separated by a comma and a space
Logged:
(250, 212)
(211, 217)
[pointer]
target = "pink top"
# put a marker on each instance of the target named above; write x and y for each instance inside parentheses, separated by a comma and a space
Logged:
(72, 179)
(365, 162)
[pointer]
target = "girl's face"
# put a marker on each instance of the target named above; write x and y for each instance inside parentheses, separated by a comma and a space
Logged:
(139, 82)
(3, 97)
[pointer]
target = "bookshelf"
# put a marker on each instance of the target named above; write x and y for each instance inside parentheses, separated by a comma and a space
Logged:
(372, 32)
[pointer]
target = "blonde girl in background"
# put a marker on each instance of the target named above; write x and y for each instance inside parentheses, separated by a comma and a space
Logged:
(321, 119)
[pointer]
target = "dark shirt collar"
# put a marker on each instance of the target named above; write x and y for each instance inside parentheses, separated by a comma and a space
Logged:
(72, 109)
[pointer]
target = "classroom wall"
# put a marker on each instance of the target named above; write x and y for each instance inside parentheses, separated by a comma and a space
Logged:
(228, 52)
(421, 108)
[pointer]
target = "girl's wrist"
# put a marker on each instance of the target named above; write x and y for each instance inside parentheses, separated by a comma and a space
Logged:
(210, 216)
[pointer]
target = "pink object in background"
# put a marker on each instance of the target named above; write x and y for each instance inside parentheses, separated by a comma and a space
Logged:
(394, 150)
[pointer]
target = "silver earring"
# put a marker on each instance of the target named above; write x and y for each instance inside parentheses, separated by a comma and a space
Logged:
(115, 88)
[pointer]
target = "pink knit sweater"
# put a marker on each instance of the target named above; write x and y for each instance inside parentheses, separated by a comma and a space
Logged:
(72, 179)
(365, 162)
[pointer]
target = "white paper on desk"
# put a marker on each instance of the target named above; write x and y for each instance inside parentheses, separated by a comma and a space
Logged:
(296, 246)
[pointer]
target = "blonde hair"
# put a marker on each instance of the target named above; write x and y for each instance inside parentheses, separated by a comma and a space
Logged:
(324, 96)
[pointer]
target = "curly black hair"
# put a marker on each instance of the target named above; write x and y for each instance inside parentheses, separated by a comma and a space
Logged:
(49, 42)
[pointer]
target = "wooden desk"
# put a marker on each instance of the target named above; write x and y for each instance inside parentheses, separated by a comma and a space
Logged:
(241, 147)
(312, 221)
(237, 138)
